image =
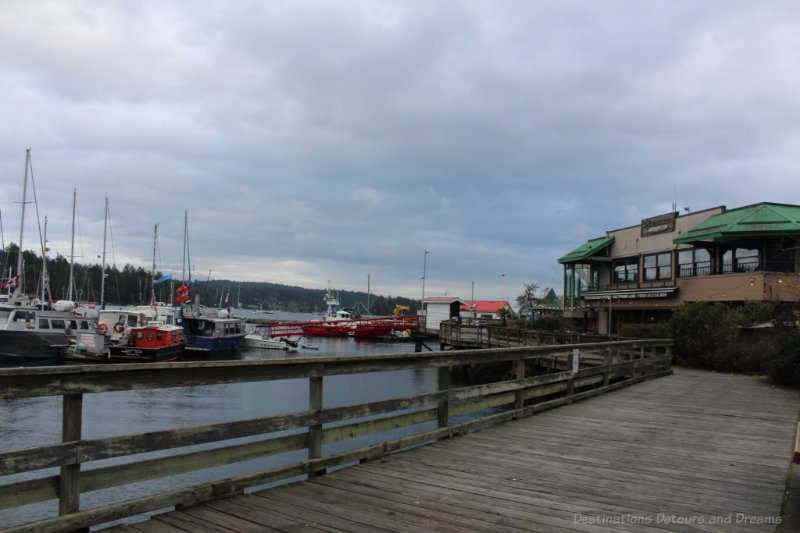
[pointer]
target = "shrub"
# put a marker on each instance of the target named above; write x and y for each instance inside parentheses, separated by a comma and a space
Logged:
(645, 331)
(782, 364)
(552, 321)
(753, 312)
(702, 332)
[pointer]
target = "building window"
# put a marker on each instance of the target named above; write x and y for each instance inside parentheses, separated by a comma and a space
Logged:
(658, 266)
(740, 260)
(694, 262)
(626, 270)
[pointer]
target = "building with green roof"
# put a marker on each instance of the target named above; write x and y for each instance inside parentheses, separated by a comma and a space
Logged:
(641, 273)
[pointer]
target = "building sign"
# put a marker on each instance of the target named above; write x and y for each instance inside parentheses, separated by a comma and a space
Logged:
(633, 294)
(659, 224)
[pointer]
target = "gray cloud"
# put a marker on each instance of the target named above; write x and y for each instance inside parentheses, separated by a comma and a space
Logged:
(314, 141)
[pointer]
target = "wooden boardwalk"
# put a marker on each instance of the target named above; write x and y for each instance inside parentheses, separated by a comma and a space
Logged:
(690, 452)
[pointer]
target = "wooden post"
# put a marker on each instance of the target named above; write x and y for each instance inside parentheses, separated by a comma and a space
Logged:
(570, 381)
(315, 431)
(519, 398)
(443, 409)
(607, 373)
(69, 489)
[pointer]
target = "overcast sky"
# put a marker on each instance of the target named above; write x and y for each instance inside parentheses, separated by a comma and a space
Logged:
(316, 141)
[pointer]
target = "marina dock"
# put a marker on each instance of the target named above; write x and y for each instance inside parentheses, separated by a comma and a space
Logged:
(690, 452)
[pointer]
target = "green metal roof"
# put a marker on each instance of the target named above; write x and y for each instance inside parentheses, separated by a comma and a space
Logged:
(753, 220)
(586, 250)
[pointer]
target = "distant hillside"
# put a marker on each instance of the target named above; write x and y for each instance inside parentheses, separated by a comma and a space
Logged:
(131, 286)
(257, 295)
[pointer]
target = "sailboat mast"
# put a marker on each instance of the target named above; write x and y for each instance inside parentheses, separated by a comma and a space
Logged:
(103, 271)
(22, 219)
(72, 247)
(185, 236)
(44, 264)
(153, 271)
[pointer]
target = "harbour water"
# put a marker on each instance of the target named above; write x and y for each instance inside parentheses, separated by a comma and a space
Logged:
(33, 422)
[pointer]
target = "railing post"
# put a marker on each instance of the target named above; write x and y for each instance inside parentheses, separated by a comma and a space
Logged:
(315, 430)
(571, 364)
(69, 489)
(607, 373)
(519, 397)
(443, 408)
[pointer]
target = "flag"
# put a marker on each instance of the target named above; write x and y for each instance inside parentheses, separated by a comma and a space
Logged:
(13, 282)
(227, 297)
(181, 298)
(182, 289)
(162, 279)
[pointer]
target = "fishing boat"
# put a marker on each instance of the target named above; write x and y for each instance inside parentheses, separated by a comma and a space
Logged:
(113, 328)
(209, 331)
(339, 321)
(151, 342)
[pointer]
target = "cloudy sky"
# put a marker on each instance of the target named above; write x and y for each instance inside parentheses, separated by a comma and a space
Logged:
(317, 141)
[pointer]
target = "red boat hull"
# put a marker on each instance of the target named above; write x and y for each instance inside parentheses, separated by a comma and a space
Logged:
(354, 327)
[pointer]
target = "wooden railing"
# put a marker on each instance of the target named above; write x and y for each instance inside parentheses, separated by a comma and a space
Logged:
(462, 335)
(623, 363)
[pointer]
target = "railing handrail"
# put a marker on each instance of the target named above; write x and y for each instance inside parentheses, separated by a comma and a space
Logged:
(520, 395)
(27, 382)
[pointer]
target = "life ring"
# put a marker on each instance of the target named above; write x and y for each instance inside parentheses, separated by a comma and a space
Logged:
(119, 327)
(102, 328)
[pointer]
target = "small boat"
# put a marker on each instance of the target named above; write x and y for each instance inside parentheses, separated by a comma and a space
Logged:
(208, 331)
(259, 337)
(113, 328)
(152, 342)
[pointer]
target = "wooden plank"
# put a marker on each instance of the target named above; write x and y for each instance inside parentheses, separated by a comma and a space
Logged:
(182, 521)
(269, 522)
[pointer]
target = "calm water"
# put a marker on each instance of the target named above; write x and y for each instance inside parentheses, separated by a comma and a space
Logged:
(33, 422)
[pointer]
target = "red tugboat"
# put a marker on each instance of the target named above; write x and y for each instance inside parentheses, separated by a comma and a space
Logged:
(149, 343)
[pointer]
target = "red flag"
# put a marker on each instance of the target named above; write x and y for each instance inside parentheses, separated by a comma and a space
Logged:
(181, 298)
(13, 282)
(182, 289)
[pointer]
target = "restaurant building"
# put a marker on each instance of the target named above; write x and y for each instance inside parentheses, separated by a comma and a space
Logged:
(640, 274)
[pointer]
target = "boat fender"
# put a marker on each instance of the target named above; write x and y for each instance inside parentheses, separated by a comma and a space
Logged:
(118, 327)
(102, 328)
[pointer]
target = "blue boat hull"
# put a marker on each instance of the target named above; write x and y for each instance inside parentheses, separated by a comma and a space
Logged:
(198, 343)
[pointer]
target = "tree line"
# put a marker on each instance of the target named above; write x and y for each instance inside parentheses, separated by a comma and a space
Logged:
(132, 286)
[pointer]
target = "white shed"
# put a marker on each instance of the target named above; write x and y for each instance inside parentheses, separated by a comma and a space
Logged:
(438, 308)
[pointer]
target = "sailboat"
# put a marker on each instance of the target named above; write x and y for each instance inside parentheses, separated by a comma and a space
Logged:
(28, 330)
